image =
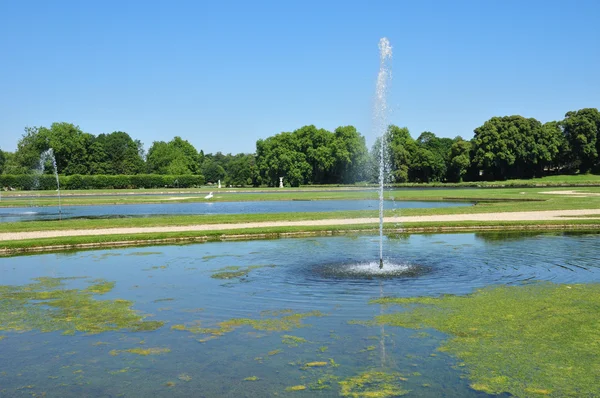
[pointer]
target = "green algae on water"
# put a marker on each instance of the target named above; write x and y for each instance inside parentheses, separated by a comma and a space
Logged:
(280, 323)
(527, 340)
(292, 341)
(48, 306)
(143, 253)
(373, 384)
(160, 300)
(296, 388)
(234, 271)
(142, 351)
(315, 364)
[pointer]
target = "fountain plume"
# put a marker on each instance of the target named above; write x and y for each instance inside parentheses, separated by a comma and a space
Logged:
(380, 115)
(44, 157)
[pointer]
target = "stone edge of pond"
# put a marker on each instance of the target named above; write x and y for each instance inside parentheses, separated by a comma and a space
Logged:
(7, 252)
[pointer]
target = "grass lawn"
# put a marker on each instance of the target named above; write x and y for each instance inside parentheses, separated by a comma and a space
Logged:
(391, 230)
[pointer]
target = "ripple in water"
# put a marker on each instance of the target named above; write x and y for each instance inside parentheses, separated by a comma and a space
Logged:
(371, 270)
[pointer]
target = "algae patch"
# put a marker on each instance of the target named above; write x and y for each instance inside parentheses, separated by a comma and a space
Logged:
(292, 341)
(232, 272)
(527, 340)
(374, 384)
(296, 388)
(48, 305)
(142, 351)
(278, 323)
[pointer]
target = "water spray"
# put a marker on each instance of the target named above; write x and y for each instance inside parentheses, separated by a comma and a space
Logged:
(380, 114)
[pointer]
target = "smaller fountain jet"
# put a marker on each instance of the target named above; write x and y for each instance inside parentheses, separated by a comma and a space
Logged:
(209, 196)
(48, 155)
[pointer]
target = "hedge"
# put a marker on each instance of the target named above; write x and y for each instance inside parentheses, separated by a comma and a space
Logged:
(47, 181)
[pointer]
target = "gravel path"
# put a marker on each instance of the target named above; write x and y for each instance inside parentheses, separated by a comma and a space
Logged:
(508, 216)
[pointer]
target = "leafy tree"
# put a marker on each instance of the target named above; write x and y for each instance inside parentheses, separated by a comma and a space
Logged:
(212, 170)
(242, 170)
(401, 148)
(560, 152)
(430, 161)
(350, 155)
(582, 132)
(460, 160)
(513, 146)
(10, 164)
(69, 143)
(177, 155)
(2, 161)
(116, 153)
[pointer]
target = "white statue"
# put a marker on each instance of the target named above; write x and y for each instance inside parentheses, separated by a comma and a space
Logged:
(280, 182)
(219, 184)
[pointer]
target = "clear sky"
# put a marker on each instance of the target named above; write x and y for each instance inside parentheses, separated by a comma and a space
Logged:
(222, 74)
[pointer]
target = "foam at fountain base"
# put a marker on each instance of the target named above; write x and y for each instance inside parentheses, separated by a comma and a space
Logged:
(371, 270)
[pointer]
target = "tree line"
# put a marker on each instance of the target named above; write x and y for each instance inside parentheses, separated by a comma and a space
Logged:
(502, 148)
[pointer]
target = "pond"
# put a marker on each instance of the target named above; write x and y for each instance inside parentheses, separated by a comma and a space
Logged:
(15, 214)
(288, 317)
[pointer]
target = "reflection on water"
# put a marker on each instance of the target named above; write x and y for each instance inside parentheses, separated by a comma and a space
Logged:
(278, 319)
(15, 214)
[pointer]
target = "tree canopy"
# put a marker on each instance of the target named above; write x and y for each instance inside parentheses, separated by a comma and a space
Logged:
(312, 156)
(503, 147)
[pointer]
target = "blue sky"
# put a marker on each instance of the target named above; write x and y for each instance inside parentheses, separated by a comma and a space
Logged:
(223, 74)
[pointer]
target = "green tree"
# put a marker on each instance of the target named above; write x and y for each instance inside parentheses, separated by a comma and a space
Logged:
(177, 156)
(69, 143)
(430, 161)
(312, 156)
(401, 148)
(2, 161)
(212, 170)
(582, 132)
(513, 147)
(279, 156)
(242, 170)
(460, 160)
(116, 153)
(350, 155)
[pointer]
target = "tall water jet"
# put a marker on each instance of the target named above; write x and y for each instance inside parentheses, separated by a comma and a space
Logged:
(380, 123)
(44, 157)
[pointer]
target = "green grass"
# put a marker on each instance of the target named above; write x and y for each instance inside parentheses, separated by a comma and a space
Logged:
(155, 238)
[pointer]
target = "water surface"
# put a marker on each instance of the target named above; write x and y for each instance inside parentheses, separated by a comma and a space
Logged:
(15, 214)
(323, 281)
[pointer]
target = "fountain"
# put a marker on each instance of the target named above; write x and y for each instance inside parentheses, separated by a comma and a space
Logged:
(44, 157)
(380, 124)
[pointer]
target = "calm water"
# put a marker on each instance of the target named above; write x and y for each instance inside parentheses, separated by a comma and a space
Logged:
(144, 210)
(176, 284)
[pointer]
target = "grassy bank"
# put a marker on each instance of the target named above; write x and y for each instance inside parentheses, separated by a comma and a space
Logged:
(391, 230)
